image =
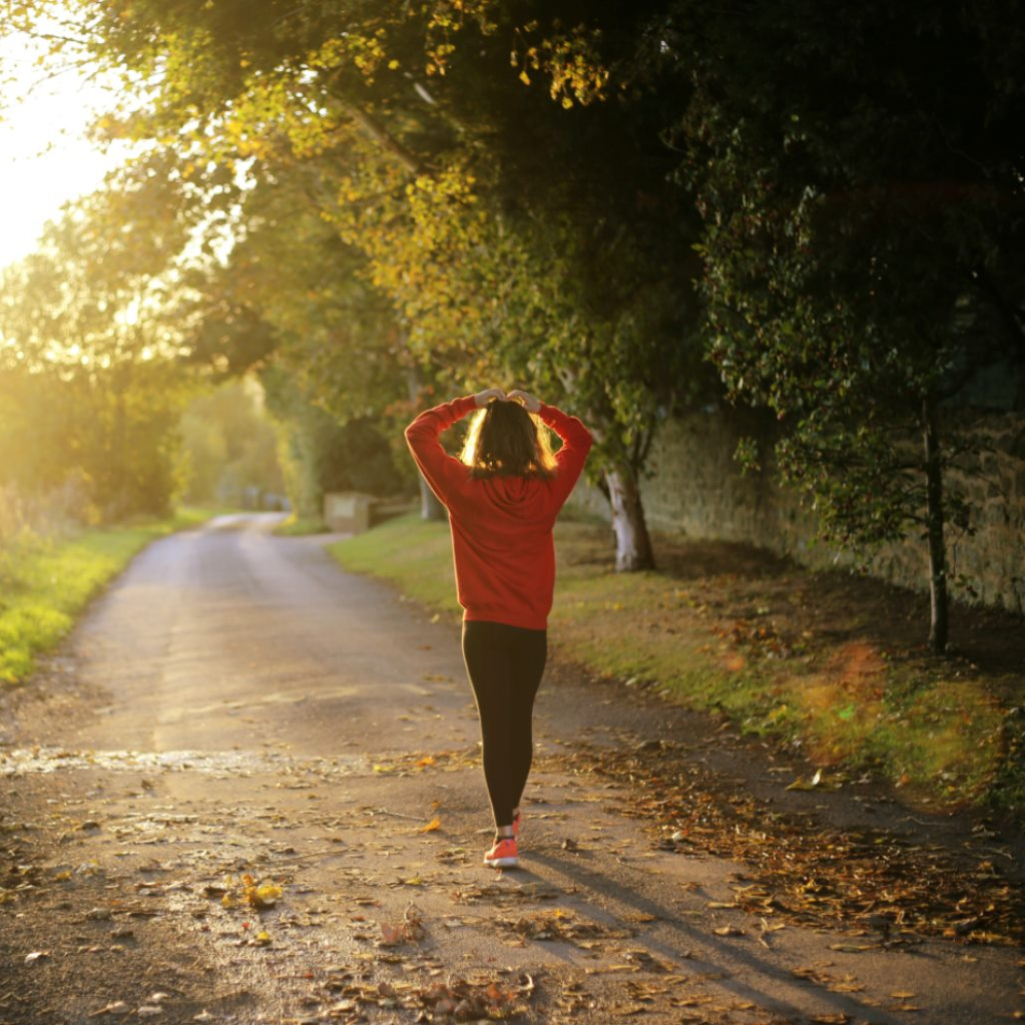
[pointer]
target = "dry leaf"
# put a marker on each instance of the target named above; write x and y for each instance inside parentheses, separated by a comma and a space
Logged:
(118, 1007)
(266, 895)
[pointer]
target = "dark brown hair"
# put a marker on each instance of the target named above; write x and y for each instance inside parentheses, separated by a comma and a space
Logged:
(505, 440)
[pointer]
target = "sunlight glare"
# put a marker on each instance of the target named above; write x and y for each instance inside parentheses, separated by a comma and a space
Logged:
(45, 158)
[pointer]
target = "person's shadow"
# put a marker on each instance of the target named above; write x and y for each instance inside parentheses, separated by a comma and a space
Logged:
(730, 965)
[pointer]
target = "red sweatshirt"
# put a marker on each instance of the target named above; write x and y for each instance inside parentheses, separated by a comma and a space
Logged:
(501, 526)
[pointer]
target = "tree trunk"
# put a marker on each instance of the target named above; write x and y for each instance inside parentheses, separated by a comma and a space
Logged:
(633, 546)
(430, 508)
(938, 626)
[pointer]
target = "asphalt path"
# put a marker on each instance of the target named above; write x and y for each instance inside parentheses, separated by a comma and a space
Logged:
(247, 790)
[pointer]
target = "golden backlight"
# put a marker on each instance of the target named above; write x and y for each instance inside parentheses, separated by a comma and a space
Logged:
(45, 158)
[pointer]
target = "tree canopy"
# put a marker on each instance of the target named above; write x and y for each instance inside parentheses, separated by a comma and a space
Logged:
(589, 200)
(863, 232)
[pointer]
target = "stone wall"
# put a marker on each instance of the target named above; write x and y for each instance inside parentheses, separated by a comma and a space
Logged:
(696, 488)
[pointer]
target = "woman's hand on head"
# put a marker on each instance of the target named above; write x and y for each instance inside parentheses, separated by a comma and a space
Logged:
(532, 404)
(482, 398)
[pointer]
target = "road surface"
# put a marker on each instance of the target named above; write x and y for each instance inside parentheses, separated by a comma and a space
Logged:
(247, 790)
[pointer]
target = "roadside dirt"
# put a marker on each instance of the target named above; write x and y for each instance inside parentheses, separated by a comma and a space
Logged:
(248, 791)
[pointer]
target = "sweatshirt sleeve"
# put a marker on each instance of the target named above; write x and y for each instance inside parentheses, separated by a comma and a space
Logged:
(443, 472)
(576, 443)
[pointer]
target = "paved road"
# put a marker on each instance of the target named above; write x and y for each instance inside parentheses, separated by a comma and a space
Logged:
(237, 712)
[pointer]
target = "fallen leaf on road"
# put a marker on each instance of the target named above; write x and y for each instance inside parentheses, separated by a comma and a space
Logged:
(728, 930)
(807, 872)
(264, 895)
(409, 930)
(563, 925)
(817, 782)
(433, 826)
(36, 955)
(118, 1007)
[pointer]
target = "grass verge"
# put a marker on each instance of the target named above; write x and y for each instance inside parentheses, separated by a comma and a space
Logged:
(46, 583)
(295, 526)
(828, 666)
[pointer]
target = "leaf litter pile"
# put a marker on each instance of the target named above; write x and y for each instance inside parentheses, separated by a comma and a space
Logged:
(456, 999)
(563, 925)
(870, 880)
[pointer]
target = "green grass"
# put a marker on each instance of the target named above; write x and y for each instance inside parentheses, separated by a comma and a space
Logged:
(845, 703)
(45, 584)
(414, 555)
(293, 526)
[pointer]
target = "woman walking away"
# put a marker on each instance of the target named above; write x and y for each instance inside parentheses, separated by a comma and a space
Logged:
(503, 497)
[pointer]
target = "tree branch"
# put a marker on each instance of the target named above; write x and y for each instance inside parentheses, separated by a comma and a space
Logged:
(1009, 315)
(376, 132)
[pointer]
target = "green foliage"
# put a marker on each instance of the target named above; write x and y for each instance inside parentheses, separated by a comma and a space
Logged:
(230, 446)
(87, 372)
(485, 193)
(857, 242)
(319, 453)
(511, 238)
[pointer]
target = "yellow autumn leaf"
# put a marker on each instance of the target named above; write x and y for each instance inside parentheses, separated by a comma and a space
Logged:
(267, 894)
(433, 826)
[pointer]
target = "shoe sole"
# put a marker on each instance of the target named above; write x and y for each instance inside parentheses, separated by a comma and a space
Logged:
(502, 862)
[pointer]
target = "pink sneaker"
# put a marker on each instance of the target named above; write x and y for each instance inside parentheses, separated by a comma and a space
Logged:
(503, 853)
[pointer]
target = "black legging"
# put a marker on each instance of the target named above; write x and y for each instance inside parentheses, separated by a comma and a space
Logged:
(505, 664)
